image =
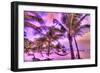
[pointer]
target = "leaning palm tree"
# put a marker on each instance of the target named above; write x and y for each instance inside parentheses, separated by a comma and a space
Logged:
(52, 35)
(71, 23)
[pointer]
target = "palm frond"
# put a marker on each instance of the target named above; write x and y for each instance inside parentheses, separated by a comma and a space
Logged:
(28, 24)
(36, 28)
(64, 18)
(82, 29)
(82, 18)
(34, 18)
(63, 27)
(84, 26)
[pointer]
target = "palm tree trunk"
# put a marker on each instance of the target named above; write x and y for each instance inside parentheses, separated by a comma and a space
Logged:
(78, 54)
(48, 51)
(71, 47)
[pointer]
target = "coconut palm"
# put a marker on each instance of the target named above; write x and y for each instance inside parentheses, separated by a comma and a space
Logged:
(52, 35)
(71, 23)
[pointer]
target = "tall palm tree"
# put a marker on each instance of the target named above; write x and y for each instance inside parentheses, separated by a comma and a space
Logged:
(71, 23)
(82, 29)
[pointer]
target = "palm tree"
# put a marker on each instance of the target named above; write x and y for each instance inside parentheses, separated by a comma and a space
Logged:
(80, 29)
(71, 23)
(52, 35)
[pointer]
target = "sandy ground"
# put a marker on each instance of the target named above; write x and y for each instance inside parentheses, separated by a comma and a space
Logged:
(84, 55)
